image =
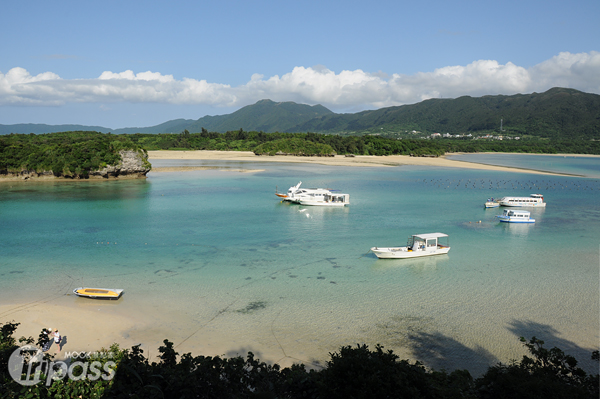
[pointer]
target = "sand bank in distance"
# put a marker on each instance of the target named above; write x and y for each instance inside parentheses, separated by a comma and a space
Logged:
(338, 160)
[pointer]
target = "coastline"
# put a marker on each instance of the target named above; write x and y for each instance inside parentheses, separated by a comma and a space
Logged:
(90, 325)
(337, 160)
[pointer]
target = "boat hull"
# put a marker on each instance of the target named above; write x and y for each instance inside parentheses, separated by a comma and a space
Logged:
(492, 204)
(322, 203)
(512, 220)
(517, 205)
(405, 253)
(98, 293)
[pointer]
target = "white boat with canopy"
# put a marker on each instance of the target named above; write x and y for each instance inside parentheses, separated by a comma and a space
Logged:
(515, 216)
(417, 245)
(534, 200)
(295, 193)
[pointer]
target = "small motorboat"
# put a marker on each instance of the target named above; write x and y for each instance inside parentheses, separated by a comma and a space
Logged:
(418, 245)
(515, 216)
(492, 203)
(98, 293)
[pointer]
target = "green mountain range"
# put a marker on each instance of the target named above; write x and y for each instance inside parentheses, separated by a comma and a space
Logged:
(556, 113)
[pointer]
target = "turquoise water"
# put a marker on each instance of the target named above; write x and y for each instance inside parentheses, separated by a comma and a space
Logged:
(578, 165)
(213, 261)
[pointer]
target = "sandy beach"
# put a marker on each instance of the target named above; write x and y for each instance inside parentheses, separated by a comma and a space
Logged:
(338, 160)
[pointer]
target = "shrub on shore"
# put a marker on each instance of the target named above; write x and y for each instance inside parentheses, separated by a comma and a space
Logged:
(353, 372)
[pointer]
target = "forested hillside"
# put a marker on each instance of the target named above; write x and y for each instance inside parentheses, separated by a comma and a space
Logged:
(265, 115)
(558, 114)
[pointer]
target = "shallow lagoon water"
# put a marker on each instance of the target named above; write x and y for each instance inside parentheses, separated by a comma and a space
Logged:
(211, 259)
(586, 166)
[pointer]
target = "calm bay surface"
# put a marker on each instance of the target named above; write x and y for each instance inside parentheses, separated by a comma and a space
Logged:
(214, 262)
(586, 166)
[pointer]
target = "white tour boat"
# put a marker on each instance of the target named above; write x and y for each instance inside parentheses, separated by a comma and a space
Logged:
(295, 193)
(330, 199)
(514, 216)
(534, 200)
(418, 245)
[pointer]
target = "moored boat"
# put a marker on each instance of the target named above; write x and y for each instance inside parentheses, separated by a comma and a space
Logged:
(295, 193)
(515, 216)
(418, 245)
(290, 191)
(492, 203)
(534, 200)
(337, 200)
(98, 293)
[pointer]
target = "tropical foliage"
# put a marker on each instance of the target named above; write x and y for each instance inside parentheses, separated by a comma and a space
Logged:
(304, 144)
(353, 372)
(76, 154)
(558, 113)
(69, 154)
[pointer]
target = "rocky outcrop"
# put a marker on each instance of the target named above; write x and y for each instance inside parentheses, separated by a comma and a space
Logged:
(133, 164)
(25, 175)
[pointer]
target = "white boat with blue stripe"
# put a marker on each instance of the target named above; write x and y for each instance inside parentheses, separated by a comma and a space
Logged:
(515, 216)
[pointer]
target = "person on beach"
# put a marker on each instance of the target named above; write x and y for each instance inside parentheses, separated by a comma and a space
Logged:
(44, 339)
(57, 338)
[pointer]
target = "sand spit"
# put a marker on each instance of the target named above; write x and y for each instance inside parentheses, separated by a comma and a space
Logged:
(338, 160)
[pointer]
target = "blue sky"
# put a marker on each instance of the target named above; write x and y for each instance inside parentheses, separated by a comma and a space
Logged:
(140, 63)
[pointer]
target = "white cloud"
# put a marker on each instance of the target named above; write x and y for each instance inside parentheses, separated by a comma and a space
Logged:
(313, 85)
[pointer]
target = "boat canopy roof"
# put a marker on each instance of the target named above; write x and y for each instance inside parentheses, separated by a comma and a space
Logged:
(429, 236)
(516, 212)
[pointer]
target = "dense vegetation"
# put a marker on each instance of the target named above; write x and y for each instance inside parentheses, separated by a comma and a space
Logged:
(76, 154)
(558, 113)
(69, 154)
(304, 143)
(353, 372)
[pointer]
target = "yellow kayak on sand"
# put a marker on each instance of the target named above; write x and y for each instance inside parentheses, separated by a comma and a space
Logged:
(98, 293)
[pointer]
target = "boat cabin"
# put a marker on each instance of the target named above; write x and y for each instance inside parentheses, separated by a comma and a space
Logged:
(342, 198)
(516, 214)
(427, 242)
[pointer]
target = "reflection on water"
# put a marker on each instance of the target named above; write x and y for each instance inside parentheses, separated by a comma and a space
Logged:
(422, 263)
(90, 190)
(517, 229)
